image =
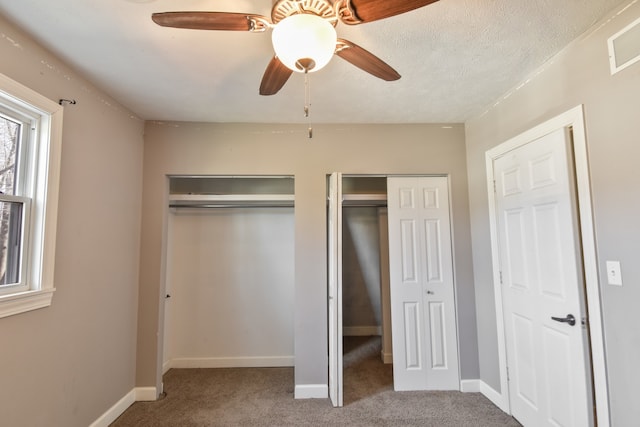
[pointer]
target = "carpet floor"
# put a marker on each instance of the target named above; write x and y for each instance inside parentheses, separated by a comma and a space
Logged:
(264, 397)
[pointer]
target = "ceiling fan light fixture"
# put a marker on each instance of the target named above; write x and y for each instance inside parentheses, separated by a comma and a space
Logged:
(304, 42)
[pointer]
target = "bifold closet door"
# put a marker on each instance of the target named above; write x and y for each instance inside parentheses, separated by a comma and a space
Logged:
(424, 332)
(334, 293)
(231, 273)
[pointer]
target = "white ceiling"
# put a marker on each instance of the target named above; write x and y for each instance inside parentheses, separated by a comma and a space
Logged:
(456, 57)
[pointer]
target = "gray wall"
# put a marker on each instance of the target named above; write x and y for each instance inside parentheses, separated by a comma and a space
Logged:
(230, 277)
(253, 149)
(65, 365)
(579, 75)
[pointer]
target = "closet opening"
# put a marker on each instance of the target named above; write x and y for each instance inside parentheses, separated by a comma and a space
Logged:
(229, 272)
(365, 310)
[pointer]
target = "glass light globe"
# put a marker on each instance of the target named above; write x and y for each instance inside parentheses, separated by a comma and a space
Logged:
(304, 42)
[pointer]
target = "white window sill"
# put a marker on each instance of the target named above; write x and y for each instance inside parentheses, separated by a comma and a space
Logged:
(25, 301)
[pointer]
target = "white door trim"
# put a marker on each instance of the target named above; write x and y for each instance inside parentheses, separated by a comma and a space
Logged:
(573, 118)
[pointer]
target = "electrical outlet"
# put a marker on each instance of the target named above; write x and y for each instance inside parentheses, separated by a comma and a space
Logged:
(614, 274)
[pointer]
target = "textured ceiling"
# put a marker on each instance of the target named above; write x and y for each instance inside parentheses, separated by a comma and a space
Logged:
(456, 57)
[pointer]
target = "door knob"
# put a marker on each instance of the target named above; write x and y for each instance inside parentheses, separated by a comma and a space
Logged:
(429, 292)
(569, 319)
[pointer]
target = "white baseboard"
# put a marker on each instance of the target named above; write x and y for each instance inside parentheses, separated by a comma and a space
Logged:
(146, 394)
(116, 410)
(166, 366)
(361, 331)
(311, 391)
(387, 358)
(135, 395)
(231, 362)
(495, 397)
(470, 386)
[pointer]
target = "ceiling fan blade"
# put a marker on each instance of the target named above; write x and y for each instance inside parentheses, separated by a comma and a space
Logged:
(275, 76)
(209, 20)
(361, 11)
(365, 60)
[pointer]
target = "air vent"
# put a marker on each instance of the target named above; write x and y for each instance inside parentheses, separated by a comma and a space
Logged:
(624, 47)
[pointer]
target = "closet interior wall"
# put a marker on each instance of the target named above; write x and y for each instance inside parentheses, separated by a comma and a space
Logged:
(365, 258)
(361, 285)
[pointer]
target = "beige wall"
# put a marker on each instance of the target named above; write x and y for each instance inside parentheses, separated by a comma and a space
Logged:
(237, 149)
(65, 365)
(579, 75)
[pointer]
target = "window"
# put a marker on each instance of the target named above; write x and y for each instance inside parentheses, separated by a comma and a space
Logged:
(30, 142)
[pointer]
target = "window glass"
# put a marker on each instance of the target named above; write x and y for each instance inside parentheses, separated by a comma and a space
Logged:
(10, 242)
(9, 145)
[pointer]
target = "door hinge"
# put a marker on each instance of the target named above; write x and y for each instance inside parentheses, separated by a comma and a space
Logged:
(495, 189)
(501, 277)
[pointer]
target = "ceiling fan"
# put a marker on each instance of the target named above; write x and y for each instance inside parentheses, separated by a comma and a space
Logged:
(304, 36)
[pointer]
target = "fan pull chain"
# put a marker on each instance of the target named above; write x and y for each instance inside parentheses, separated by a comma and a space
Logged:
(307, 102)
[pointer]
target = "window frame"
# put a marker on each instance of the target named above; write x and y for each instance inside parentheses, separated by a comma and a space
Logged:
(39, 173)
(22, 186)
(23, 264)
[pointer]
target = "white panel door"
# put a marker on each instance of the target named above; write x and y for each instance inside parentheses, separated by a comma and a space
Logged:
(424, 331)
(335, 288)
(541, 280)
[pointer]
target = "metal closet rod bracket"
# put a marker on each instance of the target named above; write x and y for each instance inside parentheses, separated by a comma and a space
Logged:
(64, 102)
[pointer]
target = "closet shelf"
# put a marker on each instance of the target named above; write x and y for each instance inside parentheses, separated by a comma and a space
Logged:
(230, 200)
(361, 199)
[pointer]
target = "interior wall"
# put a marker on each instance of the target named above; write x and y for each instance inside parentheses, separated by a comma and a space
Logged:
(361, 304)
(578, 75)
(231, 286)
(262, 149)
(66, 364)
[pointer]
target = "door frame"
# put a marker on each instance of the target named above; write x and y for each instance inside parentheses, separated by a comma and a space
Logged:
(573, 118)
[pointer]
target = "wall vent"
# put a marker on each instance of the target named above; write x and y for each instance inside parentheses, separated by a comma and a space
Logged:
(624, 47)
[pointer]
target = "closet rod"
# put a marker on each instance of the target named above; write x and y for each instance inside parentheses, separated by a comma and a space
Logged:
(364, 205)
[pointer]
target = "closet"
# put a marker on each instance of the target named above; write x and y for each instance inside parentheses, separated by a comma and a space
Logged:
(229, 272)
(408, 295)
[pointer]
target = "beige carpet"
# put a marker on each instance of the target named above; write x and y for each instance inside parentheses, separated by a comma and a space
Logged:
(264, 397)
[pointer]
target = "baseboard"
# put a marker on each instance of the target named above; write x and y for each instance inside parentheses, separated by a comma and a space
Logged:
(146, 394)
(387, 358)
(495, 397)
(116, 410)
(232, 362)
(470, 386)
(166, 366)
(138, 394)
(361, 331)
(311, 391)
